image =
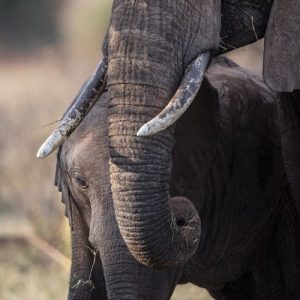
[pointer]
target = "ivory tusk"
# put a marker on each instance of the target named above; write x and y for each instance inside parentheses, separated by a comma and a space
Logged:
(182, 99)
(91, 91)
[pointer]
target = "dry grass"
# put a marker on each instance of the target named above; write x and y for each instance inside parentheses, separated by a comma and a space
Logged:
(190, 292)
(26, 274)
(29, 98)
(35, 91)
(29, 275)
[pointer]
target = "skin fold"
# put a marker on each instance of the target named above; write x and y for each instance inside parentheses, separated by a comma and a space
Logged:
(220, 146)
(225, 159)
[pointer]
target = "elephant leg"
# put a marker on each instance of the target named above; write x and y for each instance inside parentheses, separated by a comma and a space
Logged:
(288, 105)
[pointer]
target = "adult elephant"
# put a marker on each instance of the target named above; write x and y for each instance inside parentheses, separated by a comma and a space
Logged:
(233, 175)
(281, 69)
(152, 47)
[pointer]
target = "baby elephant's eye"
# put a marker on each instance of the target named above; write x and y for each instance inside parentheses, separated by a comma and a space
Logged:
(80, 180)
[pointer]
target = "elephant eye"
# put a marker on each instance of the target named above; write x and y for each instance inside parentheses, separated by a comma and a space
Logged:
(80, 180)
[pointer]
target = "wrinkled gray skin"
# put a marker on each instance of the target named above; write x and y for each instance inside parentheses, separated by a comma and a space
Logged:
(227, 160)
(132, 213)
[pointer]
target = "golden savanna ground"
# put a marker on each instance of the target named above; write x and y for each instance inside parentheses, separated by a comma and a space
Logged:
(34, 91)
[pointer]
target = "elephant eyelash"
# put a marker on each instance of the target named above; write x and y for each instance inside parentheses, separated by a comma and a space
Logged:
(80, 180)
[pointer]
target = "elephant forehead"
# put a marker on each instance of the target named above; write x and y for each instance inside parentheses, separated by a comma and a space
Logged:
(85, 150)
(90, 137)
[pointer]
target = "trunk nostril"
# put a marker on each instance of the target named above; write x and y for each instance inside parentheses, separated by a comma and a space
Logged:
(180, 221)
(186, 216)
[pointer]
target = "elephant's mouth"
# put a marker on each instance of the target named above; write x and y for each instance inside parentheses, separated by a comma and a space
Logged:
(92, 90)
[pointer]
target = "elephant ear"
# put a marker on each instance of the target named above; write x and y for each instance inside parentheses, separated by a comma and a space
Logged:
(60, 182)
(282, 47)
(243, 22)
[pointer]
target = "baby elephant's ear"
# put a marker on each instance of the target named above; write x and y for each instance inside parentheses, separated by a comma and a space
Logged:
(62, 187)
(282, 47)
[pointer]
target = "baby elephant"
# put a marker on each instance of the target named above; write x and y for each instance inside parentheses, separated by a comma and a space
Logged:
(226, 160)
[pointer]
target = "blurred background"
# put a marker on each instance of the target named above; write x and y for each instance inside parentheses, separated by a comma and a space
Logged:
(47, 50)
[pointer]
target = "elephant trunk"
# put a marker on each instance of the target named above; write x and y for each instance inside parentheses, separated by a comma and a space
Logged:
(86, 276)
(125, 278)
(139, 174)
(119, 269)
(143, 75)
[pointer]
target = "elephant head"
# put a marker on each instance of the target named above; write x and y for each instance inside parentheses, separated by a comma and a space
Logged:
(102, 266)
(151, 48)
